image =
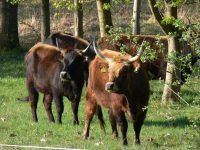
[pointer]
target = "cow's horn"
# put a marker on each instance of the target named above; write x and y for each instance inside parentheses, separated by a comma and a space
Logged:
(57, 44)
(85, 50)
(99, 54)
(136, 57)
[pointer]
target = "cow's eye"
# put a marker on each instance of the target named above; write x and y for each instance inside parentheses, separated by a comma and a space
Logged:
(125, 69)
(66, 62)
(124, 75)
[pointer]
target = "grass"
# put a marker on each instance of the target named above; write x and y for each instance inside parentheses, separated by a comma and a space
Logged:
(176, 126)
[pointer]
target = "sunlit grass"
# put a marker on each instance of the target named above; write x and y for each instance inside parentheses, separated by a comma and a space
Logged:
(176, 126)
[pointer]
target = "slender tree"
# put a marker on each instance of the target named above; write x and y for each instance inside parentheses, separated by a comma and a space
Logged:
(104, 15)
(78, 18)
(45, 20)
(136, 17)
(172, 73)
(9, 25)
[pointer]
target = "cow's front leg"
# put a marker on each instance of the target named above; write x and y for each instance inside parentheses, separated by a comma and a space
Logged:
(59, 107)
(75, 106)
(121, 120)
(89, 113)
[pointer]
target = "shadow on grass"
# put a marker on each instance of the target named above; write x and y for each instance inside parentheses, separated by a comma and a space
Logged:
(189, 92)
(178, 122)
(12, 63)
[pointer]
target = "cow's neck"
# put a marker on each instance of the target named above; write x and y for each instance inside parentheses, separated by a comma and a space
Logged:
(129, 94)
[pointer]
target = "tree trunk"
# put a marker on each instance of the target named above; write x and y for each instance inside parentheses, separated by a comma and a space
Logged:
(171, 86)
(45, 20)
(172, 72)
(101, 18)
(78, 19)
(136, 17)
(105, 18)
(108, 16)
(9, 25)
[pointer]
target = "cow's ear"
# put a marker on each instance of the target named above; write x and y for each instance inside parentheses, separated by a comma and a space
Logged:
(136, 67)
(79, 52)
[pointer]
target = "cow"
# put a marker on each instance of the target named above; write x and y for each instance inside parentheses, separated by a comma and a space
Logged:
(120, 84)
(67, 41)
(48, 74)
(156, 68)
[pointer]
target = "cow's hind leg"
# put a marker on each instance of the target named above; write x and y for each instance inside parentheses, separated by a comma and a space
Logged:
(33, 99)
(59, 107)
(47, 101)
(89, 113)
(138, 124)
(113, 124)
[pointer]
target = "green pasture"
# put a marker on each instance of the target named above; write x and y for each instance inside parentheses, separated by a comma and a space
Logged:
(175, 127)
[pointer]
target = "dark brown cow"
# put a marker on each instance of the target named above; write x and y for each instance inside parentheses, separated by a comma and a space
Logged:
(120, 84)
(67, 42)
(43, 71)
(156, 67)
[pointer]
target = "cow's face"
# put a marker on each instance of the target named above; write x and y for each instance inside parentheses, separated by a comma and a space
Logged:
(72, 63)
(120, 69)
(120, 75)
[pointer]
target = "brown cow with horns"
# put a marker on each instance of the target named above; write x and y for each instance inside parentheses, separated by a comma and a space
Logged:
(120, 84)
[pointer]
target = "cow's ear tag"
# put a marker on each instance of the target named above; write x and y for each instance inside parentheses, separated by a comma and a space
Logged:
(136, 69)
(103, 69)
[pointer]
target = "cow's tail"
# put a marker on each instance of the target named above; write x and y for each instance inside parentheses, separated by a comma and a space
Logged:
(100, 117)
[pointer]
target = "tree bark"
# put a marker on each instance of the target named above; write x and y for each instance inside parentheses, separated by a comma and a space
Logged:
(78, 19)
(171, 86)
(45, 20)
(105, 17)
(166, 28)
(9, 25)
(136, 17)
(101, 17)
(108, 15)
(172, 73)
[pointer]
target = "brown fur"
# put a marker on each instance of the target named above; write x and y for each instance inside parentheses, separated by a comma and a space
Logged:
(132, 97)
(43, 69)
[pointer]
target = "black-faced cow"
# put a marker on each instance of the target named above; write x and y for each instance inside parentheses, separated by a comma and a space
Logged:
(120, 84)
(46, 73)
(67, 42)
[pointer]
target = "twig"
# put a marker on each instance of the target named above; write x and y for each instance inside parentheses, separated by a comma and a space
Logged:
(180, 98)
(30, 26)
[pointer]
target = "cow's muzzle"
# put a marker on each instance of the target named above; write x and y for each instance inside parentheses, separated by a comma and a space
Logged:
(64, 76)
(111, 87)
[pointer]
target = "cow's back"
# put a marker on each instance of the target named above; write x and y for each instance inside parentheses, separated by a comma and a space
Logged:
(43, 66)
